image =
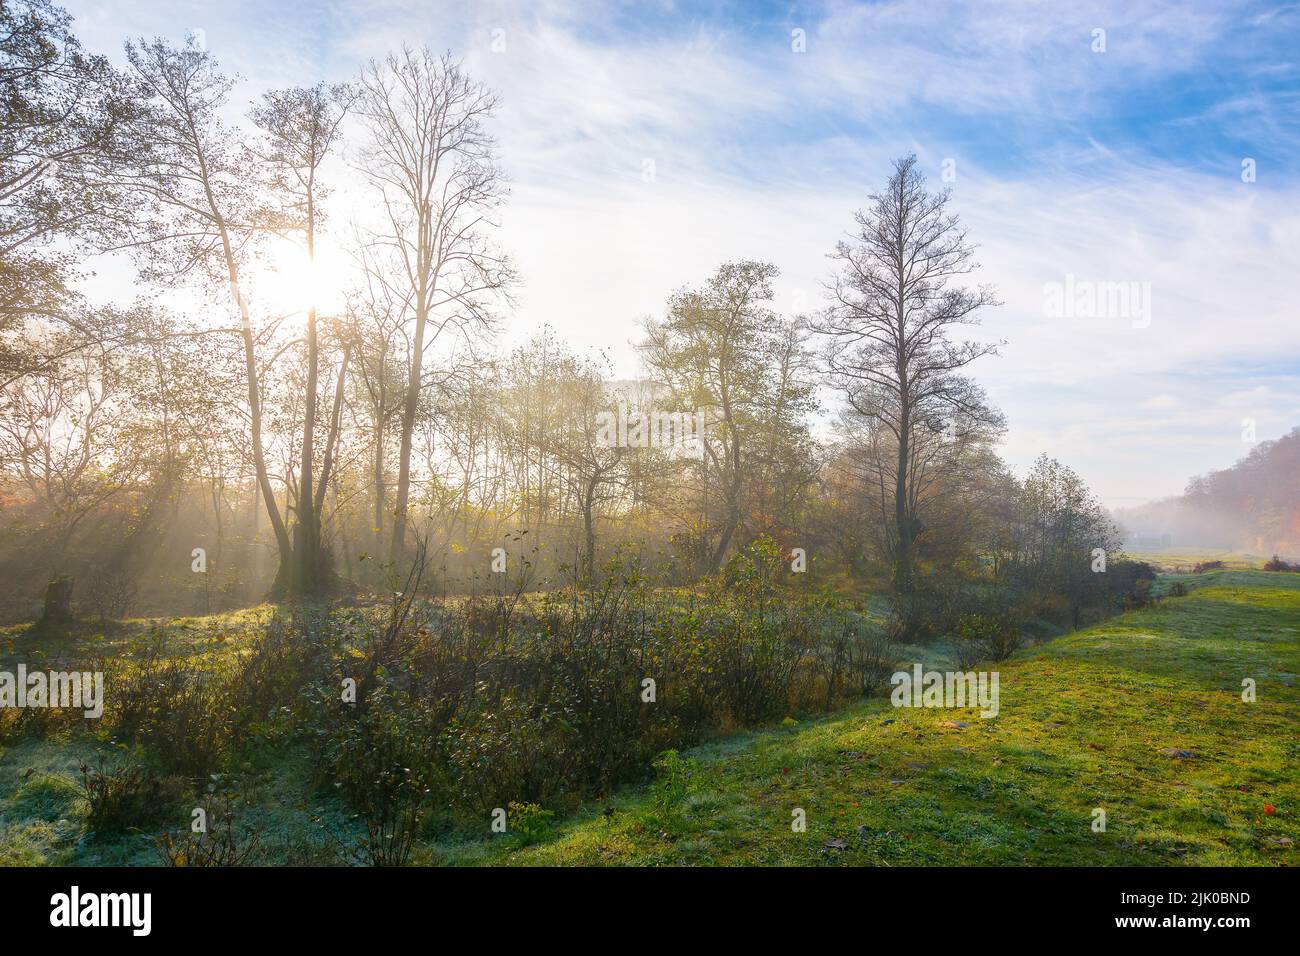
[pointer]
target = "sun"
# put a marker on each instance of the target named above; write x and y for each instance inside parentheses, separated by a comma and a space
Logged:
(286, 282)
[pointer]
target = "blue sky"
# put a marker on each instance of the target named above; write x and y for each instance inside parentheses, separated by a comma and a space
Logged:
(1115, 166)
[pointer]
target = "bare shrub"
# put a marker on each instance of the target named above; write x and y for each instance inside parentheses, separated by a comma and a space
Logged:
(222, 844)
(111, 593)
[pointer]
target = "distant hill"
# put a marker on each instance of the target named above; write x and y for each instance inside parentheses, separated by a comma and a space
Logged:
(1252, 506)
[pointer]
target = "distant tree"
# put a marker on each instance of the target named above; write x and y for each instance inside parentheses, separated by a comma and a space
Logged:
(1254, 504)
(567, 431)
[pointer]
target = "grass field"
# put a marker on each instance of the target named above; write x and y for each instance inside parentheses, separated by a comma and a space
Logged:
(1083, 724)
(1168, 559)
(1141, 716)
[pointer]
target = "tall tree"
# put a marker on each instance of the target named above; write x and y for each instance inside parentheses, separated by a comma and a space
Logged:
(194, 207)
(894, 303)
(432, 161)
(299, 128)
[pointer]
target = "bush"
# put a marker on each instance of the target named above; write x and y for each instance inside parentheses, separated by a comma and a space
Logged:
(1277, 564)
(127, 796)
(986, 636)
(270, 680)
(542, 700)
(111, 593)
(854, 659)
(34, 722)
(671, 787)
(222, 844)
(181, 713)
(1207, 566)
(528, 822)
(378, 753)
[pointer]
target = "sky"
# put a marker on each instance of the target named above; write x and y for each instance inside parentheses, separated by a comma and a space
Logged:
(1145, 152)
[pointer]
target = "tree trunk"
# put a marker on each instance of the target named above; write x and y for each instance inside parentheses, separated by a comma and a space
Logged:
(58, 601)
(733, 491)
(902, 513)
(589, 530)
(397, 546)
(255, 419)
(724, 542)
(306, 579)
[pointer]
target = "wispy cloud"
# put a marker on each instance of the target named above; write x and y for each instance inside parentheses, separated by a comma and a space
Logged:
(648, 143)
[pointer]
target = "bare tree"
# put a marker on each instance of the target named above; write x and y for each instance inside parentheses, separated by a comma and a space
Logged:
(376, 321)
(432, 161)
(894, 302)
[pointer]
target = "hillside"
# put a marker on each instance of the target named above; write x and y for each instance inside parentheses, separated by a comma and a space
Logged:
(1250, 506)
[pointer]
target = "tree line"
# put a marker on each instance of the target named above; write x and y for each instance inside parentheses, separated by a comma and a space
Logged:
(211, 454)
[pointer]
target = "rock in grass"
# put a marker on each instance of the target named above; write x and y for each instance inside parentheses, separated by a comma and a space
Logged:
(1179, 754)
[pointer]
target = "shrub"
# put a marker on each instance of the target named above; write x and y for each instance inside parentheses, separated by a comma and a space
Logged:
(1204, 566)
(181, 713)
(671, 787)
(854, 659)
(378, 752)
(987, 636)
(127, 796)
(1277, 564)
(221, 844)
(34, 722)
(528, 822)
(506, 747)
(542, 700)
(111, 593)
(291, 654)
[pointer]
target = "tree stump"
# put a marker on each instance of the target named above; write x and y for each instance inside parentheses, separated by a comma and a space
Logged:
(58, 601)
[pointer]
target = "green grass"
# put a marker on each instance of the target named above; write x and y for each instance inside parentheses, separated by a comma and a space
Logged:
(1083, 722)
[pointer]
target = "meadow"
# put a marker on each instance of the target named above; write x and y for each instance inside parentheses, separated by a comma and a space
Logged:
(1141, 715)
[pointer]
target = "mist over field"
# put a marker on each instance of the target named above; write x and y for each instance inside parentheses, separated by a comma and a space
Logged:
(1254, 506)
